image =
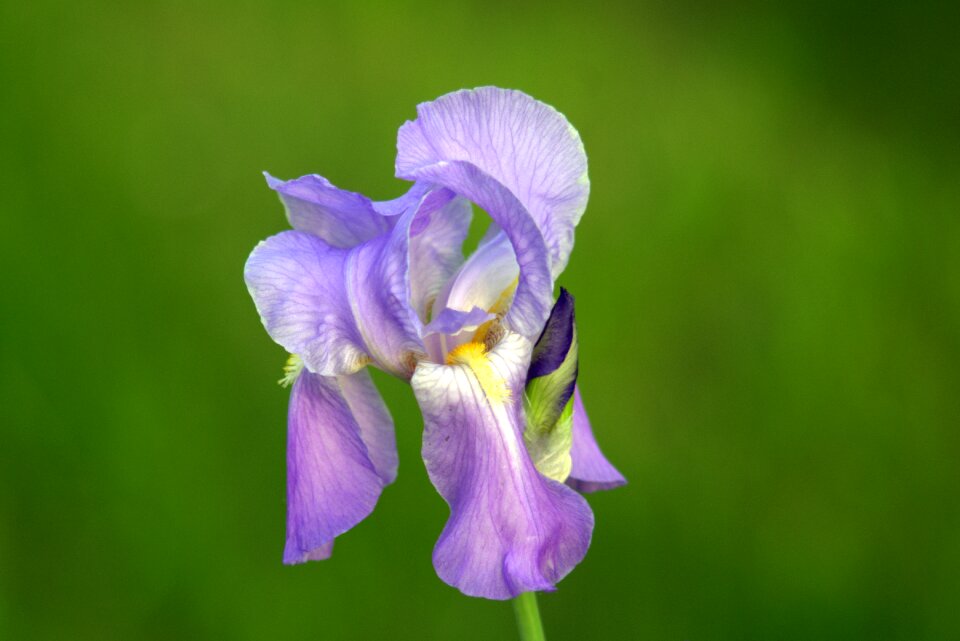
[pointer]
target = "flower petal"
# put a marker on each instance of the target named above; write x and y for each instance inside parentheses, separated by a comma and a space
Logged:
(591, 470)
(339, 309)
(341, 218)
(452, 321)
(510, 530)
(534, 295)
(450, 328)
(483, 280)
(333, 479)
(297, 282)
(436, 240)
(374, 420)
(523, 144)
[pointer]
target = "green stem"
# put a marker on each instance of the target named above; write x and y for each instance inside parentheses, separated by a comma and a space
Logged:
(528, 617)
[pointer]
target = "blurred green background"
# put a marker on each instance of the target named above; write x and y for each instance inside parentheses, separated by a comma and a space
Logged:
(768, 290)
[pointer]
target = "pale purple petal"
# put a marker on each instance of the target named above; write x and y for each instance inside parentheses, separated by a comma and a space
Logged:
(332, 481)
(510, 530)
(591, 470)
(341, 218)
(525, 145)
(436, 241)
(378, 289)
(534, 294)
(376, 424)
(450, 328)
(452, 321)
(483, 280)
(339, 309)
(297, 282)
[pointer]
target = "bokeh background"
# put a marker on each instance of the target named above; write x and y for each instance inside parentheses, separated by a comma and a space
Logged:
(768, 290)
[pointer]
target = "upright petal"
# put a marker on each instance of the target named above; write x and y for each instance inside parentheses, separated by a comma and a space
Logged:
(523, 144)
(342, 308)
(591, 470)
(436, 241)
(510, 530)
(483, 280)
(534, 294)
(339, 457)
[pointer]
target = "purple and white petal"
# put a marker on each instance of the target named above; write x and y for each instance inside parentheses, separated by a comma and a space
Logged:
(486, 280)
(534, 294)
(333, 481)
(591, 470)
(523, 144)
(340, 309)
(436, 240)
(450, 328)
(510, 530)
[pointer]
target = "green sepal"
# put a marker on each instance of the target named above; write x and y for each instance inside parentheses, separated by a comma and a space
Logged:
(548, 407)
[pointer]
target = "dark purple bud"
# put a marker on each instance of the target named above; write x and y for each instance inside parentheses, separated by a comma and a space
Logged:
(554, 343)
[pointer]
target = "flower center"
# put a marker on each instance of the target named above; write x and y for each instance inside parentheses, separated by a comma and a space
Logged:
(475, 356)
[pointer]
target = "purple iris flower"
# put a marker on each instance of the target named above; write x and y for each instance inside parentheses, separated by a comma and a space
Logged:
(490, 355)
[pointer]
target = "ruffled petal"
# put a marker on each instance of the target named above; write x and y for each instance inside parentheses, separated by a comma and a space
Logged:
(510, 530)
(341, 218)
(591, 470)
(340, 309)
(523, 144)
(333, 477)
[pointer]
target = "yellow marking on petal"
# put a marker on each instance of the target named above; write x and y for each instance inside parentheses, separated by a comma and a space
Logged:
(499, 308)
(291, 370)
(475, 356)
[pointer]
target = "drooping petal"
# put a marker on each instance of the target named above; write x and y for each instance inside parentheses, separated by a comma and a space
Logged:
(591, 470)
(523, 144)
(341, 218)
(510, 530)
(333, 477)
(374, 420)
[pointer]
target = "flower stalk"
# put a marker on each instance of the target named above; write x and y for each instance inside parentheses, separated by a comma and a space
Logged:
(528, 617)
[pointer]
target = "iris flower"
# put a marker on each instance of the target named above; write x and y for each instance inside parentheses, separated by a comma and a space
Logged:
(490, 355)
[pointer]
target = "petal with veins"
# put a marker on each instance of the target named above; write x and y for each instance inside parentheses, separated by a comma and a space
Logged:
(510, 530)
(340, 454)
(525, 145)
